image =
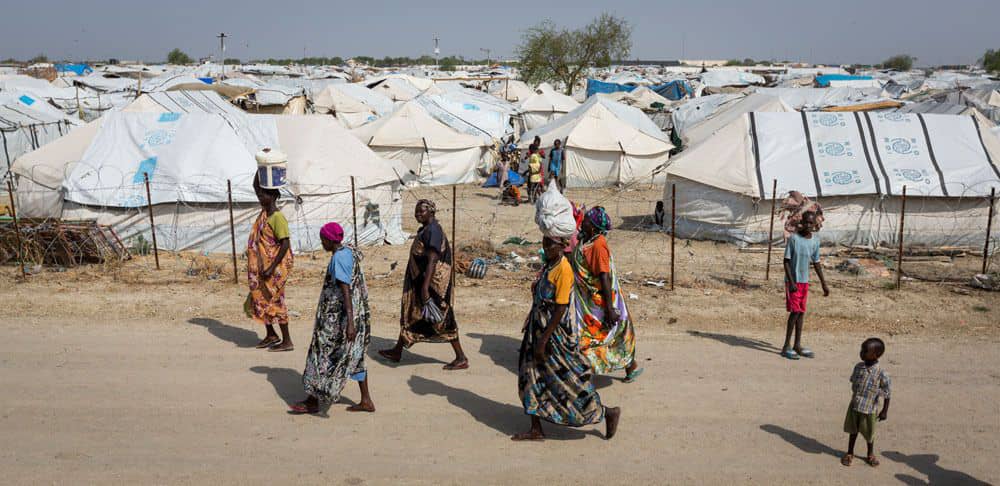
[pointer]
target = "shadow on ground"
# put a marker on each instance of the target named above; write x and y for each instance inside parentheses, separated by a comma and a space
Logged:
(927, 464)
(738, 341)
(504, 418)
(803, 443)
(242, 338)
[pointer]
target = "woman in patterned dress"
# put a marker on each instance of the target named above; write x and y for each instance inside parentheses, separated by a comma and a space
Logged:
(342, 330)
(606, 334)
(553, 375)
(269, 263)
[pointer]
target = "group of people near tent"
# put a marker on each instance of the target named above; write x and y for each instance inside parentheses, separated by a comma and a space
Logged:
(578, 324)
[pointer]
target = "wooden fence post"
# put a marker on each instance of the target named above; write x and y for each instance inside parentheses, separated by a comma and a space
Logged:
(232, 229)
(152, 227)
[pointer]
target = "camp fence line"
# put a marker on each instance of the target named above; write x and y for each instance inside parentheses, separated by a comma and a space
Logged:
(498, 224)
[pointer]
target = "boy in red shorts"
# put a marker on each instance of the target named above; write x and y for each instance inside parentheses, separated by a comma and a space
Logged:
(801, 250)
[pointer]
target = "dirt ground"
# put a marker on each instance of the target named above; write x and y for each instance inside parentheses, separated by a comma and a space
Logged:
(128, 373)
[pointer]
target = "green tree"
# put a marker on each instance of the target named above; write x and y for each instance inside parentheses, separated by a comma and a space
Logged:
(548, 53)
(899, 62)
(178, 56)
(991, 61)
(39, 58)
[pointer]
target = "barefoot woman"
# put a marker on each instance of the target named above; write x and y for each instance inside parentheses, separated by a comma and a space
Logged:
(426, 314)
(342, 330)
(607, 336)
(553, 375)
(269, 262)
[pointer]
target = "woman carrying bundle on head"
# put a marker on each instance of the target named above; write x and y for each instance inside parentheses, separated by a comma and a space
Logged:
(426, 313)
(607, 335)
(342, 330)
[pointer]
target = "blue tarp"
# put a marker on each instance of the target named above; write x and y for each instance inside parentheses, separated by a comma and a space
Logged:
(673, 90)
(824, 80)
(79, 69)
(594, 86)
(514, 178)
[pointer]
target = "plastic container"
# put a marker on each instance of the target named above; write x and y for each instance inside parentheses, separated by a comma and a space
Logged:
(272, 166)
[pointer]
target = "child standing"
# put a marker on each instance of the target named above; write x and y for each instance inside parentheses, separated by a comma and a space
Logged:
(801, 250)
(868, 382)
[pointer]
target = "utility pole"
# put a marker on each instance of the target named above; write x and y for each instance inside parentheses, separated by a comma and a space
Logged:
(222, 57)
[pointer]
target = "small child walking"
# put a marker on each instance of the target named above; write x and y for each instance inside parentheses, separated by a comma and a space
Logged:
(801, 250)
(868, 382)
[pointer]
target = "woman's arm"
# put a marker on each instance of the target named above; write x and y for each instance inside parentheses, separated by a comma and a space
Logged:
(345, 292)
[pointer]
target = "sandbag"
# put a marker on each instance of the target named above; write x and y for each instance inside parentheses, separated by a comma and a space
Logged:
(554, 213)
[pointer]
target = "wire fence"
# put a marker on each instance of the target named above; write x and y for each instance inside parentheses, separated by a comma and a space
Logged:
(719, 238)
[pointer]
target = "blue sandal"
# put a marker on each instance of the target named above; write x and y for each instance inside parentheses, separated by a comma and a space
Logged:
(631, 377)
(790, 354)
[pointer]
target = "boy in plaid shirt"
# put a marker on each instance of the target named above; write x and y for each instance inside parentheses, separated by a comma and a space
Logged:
(868, 382)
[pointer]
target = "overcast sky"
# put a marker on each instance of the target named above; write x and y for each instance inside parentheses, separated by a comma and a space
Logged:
(839, 31)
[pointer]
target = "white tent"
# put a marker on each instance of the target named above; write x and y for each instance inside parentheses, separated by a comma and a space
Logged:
(433, 152)
(545, 105)
(97, 172)
(606, 143)
(26, 123)
(352, 104)
(855, 163)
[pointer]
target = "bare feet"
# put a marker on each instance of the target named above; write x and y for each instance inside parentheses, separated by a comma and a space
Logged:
(284, 346)
(267, 342)
(531, 435)
(611, 416)
(362, 407)
(458, 364)
(392, 354)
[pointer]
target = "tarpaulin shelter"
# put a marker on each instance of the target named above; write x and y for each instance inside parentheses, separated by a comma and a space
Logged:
(606, 143)
(855, 164)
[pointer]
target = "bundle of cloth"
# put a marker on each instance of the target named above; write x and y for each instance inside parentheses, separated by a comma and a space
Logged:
(792, 209)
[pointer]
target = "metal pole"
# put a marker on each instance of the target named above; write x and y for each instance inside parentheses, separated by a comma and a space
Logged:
(989, 228)
(232, 228)
(770, 231)
(152, 227)
(899, 263)
(673, 230)
(17, 228)
(354, 211)
(454, 249)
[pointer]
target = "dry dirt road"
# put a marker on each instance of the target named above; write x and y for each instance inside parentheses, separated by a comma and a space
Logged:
(187, 402)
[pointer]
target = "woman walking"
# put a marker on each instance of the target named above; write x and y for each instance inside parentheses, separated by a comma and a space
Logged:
(342, 330)
(606, 333)
(553, 375)
(269, 263)
(426, 314)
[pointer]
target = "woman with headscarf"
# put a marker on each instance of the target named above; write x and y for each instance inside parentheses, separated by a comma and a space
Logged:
(342, 330)
(553, 375)
(269, 263)
(606, 333)
(426, 313)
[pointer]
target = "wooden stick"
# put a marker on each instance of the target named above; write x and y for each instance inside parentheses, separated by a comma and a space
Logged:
(673, 230)
(17, 227)
(770, 231)
(152, 227)
(232, 229)
(989, 228)
(354, 212)
(454, 249)
(899, 260)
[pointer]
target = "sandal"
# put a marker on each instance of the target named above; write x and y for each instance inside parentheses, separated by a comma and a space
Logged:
(788, 353)
(847, 459)
(806, 353)
(872, 461)
(631, 377)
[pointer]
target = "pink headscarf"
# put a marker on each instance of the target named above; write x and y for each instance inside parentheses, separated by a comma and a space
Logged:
(332, 232)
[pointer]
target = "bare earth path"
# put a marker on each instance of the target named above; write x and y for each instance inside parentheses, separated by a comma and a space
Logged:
(188, 402)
